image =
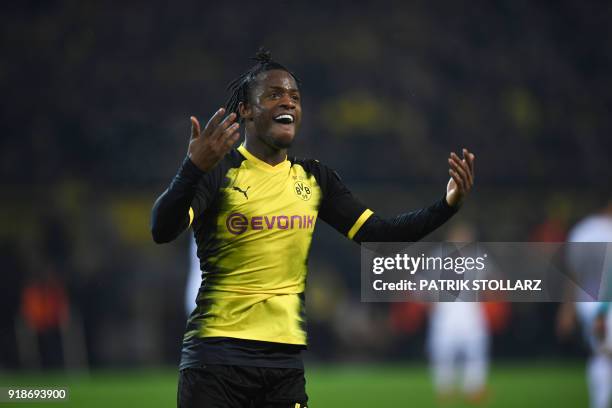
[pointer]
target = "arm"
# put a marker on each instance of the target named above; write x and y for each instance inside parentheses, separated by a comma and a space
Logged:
(171, 215)
(176, 208)
(343, 212)
(409, 227)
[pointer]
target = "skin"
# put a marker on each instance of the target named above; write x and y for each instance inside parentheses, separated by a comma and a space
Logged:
(276, 92)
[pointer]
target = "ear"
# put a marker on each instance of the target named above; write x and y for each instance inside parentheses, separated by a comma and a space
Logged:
(245, 111)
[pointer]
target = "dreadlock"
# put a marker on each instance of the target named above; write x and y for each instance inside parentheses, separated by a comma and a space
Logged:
(239, 88)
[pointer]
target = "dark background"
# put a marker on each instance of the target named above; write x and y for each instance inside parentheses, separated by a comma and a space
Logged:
(96, 100)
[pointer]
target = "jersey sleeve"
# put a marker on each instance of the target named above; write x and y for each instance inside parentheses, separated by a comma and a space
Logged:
(407, 227)
(171, 213)
(206, 191)
(189, 194)
(339, 208)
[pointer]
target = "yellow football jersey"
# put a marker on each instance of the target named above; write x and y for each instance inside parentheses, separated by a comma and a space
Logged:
(253, 225)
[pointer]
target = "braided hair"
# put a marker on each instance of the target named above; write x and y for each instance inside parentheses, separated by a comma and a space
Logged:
(239, 88)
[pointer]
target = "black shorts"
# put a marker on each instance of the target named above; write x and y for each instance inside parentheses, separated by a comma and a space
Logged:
(233, 386)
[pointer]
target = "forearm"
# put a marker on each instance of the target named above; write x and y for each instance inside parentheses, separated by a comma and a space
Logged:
(170, 215)
(409, 227)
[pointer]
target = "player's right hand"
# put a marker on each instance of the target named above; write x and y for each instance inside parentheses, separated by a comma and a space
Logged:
(207, 148)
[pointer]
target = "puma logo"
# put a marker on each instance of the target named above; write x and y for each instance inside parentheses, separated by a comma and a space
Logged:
(242, 191)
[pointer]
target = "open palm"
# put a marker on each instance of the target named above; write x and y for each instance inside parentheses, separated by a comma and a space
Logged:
(462, 177)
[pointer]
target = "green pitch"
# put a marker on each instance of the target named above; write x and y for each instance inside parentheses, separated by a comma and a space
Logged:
(511, 385)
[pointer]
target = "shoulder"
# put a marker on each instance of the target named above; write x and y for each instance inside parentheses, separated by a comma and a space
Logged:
(314, 167)
(232, 159)
(326, 177)
(308, 164)
(215, 177)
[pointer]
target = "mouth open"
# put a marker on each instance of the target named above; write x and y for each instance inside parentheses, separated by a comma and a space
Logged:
(285, 119)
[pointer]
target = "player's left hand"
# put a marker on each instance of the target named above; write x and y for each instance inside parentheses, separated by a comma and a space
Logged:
(462, 177)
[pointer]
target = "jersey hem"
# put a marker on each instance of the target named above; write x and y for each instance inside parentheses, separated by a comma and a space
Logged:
(282, 340)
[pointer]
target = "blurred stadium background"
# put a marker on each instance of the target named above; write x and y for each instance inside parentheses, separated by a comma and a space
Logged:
(96, 101)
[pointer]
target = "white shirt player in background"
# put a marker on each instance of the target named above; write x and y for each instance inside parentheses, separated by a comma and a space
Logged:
(458, 340)
(595, 228)
(194, 279)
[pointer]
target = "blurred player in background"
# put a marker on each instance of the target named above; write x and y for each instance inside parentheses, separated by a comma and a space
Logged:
(458, 340)
(194, 278)
(593, 316)
(253, 211)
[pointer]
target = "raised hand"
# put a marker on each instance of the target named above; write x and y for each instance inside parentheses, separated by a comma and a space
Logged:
(462, 177)
(208, 148)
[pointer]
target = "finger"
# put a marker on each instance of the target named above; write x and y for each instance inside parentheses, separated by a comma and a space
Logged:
(457, 179)
(230, 139)
(222, 139)
(228, 121)
(195, 127)
(231, 130)
(225, 124)
(463, 167)
(233, 139)
(457, 166)
(469, 158)
(213, 122)
(460, 181)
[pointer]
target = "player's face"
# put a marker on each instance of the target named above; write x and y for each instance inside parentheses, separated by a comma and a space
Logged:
(274, 108)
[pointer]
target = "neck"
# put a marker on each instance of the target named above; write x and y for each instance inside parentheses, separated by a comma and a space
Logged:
(264, 152)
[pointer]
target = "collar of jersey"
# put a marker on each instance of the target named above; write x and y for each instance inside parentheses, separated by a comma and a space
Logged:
(262, 164)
